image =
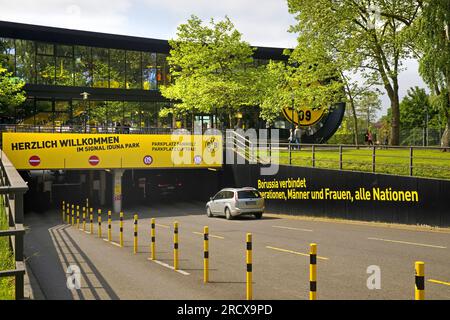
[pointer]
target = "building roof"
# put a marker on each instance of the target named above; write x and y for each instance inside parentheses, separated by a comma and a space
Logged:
(104, 40)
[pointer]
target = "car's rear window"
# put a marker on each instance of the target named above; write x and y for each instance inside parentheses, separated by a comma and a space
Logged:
(249, 194)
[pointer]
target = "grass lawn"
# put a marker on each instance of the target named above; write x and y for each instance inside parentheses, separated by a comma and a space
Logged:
(426, 163)
(6, 259)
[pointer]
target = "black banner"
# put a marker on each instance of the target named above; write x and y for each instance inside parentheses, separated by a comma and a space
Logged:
(349, 195)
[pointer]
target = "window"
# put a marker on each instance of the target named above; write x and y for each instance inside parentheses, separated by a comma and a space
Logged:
(25, 61)
(83, 66)
(149, 71)
(100, 67)
(149, 114)
(7, 54)
(162, 69)
(249, 194)
(117, 68)
(45, 66)
(134, 76)
(64, 66)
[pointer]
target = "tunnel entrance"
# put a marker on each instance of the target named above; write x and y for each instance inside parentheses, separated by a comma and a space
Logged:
(48, 188)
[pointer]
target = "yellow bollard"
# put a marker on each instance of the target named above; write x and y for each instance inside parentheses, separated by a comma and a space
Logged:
(175, 245)
(420, 281)
(205, 254)
(68, 213)
(109, 226)
(121, 230)
(64, 211)
(153, 244)
(78, 217)
(73, 214)
(313, 271)
(91, 221)
(87, 204)
(249, 267)
(99, 219)
(84, 218)
(135, 242)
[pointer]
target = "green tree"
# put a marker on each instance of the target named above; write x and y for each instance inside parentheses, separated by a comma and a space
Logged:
(368, 104)
(433, 42)
(415, 108)
(212, 69)
(370, 36)
(11, 91)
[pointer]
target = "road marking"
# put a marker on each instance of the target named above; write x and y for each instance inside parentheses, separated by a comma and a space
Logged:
(211, 235)
(294, 252)
(439, 282)
(115, 243)
(411, 243)
(162, 225)
(169, 266)
(291, 228)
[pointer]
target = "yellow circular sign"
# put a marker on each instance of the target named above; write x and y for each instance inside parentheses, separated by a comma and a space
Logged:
(304, 117)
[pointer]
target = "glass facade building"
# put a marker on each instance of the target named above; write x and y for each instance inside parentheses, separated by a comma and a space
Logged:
(121, 74)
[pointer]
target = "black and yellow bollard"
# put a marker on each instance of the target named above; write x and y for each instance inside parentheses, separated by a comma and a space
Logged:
(99, 220)
(64, 211)
(73, 215)
(135, 239)
(420, 281)
(67, 213)
(87, 205)
(153, 244)
(91, 221)
(78, 217)
(205, 254)
(84, 218)
(109, 226)
(175, 245)
(121, 230)
(249, 278)
(313, 271)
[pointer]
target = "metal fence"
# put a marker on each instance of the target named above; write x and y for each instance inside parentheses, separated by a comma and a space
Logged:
(12, 189)
(430, 162)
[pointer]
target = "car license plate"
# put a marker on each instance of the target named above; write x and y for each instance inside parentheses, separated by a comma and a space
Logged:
(250, 203)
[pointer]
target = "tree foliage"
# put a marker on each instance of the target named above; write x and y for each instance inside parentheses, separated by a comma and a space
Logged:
(370, 36)
(11, 91)
(212, 69)
(433, 42)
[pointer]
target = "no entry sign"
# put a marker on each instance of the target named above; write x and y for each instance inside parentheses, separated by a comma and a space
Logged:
(94, 160)
(148, 160)
(34, 161)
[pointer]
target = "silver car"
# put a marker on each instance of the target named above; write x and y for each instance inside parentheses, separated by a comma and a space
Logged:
(232, 202)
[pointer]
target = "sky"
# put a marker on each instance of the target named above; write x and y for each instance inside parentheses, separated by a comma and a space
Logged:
(262, 22)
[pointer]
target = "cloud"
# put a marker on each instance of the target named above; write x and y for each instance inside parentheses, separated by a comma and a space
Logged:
(98, 15)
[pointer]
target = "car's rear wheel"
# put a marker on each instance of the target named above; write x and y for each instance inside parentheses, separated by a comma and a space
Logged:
(258, 215)
(228, 215)
(209, 213)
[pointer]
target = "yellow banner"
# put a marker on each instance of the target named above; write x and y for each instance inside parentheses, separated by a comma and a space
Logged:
(38, 151)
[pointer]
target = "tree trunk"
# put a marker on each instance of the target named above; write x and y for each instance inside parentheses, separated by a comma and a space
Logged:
(395, 122)
(445, 139)
(355, 122)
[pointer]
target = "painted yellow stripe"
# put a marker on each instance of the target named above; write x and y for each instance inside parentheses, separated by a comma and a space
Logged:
(411, 243)
(291, 228)
(439, 282)
(162, 225)
(211, 235)
(294, 252)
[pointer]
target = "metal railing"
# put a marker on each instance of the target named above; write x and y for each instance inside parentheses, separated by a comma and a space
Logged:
(12, 189)
(403, 160)
(83, 129)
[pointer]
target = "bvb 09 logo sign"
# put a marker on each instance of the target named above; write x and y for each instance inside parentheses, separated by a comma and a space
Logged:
(305, 116)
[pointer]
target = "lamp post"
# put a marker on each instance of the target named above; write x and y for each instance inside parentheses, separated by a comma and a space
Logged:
(85, 96)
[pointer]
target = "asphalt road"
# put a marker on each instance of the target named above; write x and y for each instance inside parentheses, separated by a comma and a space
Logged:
(280, 258)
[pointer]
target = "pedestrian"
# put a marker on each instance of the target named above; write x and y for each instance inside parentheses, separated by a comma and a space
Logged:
(291, 138)
(297, 136)
(366, 137)
(370, 139)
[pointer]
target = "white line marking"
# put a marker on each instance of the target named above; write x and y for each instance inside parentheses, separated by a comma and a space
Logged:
(291, 228)
(211, 235)
(294, 252)
(169, 266)
(411, 243)
(162, 225)
(116, 244)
